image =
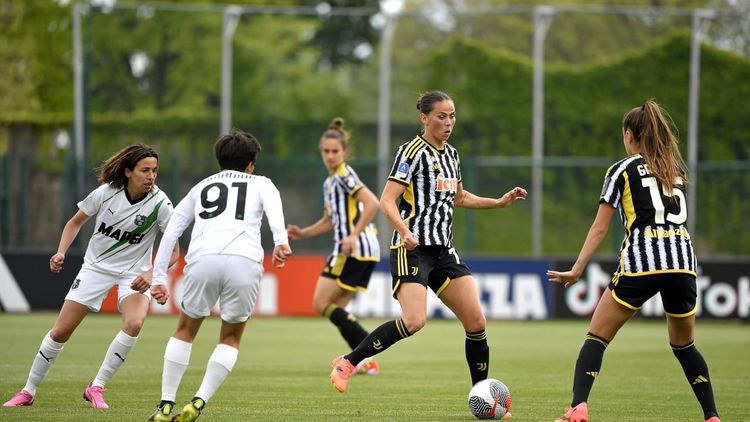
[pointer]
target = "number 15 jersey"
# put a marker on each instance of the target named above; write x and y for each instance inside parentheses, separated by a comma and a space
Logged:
(656, 239)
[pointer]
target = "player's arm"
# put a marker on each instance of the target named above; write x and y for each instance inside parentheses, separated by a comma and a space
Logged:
(466, 199)
(69, 233)
(596, 234)
(391, 192)
(319, 227)
(175, 255)
(370, 206)
(274, 212)
(143, 281)
(181, 218)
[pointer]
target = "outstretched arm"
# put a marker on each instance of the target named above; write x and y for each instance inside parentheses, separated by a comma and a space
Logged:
(317, 228)
(466, 199)
(598, 230)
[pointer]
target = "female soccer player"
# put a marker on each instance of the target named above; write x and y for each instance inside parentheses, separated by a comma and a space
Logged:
(129, 208)
(426, 178)
(648, 190)
(349, 209)
(224, 263)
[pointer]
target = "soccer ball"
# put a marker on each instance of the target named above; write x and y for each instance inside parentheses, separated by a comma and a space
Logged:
(489, 399)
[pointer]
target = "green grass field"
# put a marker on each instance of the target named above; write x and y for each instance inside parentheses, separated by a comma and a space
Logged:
(283, 367)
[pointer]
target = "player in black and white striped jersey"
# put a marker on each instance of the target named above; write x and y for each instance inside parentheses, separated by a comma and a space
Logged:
(426, 179)
(349, 208)
(429, 195)
(657, 240)
(648, 190)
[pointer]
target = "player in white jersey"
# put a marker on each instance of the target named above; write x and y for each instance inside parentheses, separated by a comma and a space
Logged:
(349, 209)
(224, 264)
(129, 209)
(648, 188)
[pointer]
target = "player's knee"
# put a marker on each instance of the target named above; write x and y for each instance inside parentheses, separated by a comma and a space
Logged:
(132, 326)
(320, 305)
(414, 324)
(475, 323)
(60, 335)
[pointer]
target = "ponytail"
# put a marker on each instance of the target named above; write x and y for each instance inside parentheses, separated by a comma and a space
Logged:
(653, 129)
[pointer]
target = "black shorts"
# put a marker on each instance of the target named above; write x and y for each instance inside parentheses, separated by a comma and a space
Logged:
(430, 266)
(678, 292)
(350, 273)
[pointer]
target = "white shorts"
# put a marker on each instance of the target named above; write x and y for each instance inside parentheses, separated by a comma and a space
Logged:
(233, 280)
(90, 288)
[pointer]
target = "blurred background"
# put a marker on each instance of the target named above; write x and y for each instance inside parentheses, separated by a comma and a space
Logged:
(540, 90)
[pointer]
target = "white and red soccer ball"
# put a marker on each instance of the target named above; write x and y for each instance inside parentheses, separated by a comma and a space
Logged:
(489, 399)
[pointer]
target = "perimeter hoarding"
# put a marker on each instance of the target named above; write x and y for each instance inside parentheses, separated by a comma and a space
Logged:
(723, 291)
(508, 289)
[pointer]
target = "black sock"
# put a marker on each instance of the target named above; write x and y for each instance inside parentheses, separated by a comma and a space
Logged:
(696, 372)
(347, 324)
(379, 339)
(198, 403)
(163, 402)
(477, 355)
(587, 367)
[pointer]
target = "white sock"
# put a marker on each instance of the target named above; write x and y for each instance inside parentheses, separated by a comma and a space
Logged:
(45, 357)
(176, 359)
(220, 364)
(115, 357)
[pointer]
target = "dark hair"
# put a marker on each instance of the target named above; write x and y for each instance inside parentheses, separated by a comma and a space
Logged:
(426, 101)
(653, 129)
(236, 150)
(112, 170)
(336, 131)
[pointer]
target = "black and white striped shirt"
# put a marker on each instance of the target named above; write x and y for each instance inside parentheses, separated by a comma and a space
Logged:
(431, 177)
(656, 238)
(339, 191)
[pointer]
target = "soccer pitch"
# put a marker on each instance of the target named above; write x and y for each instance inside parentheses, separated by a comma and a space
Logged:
(283, 366)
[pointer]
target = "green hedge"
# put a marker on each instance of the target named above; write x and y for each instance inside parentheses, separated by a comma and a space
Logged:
(583, 113)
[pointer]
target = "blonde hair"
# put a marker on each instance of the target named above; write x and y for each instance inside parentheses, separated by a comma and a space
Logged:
(653, 129)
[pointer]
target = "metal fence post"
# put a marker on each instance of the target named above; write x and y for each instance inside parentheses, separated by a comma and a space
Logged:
(229, 25)
(384, 113)
(78, 93)
(699, 15)
(542, 19)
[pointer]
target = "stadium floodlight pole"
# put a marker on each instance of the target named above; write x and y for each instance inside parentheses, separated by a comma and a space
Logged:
(699, 15)
(542, 19)
(229, 25)
(78, 127)
(391, 9)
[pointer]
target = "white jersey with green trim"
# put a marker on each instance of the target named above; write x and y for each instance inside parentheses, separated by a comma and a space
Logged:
(124, 231)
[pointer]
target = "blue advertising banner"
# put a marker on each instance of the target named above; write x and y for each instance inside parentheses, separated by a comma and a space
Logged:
(508, 289)
(723, 290)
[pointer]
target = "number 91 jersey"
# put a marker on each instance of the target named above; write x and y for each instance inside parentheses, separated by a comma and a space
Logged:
(227, 208)
(656, 239)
